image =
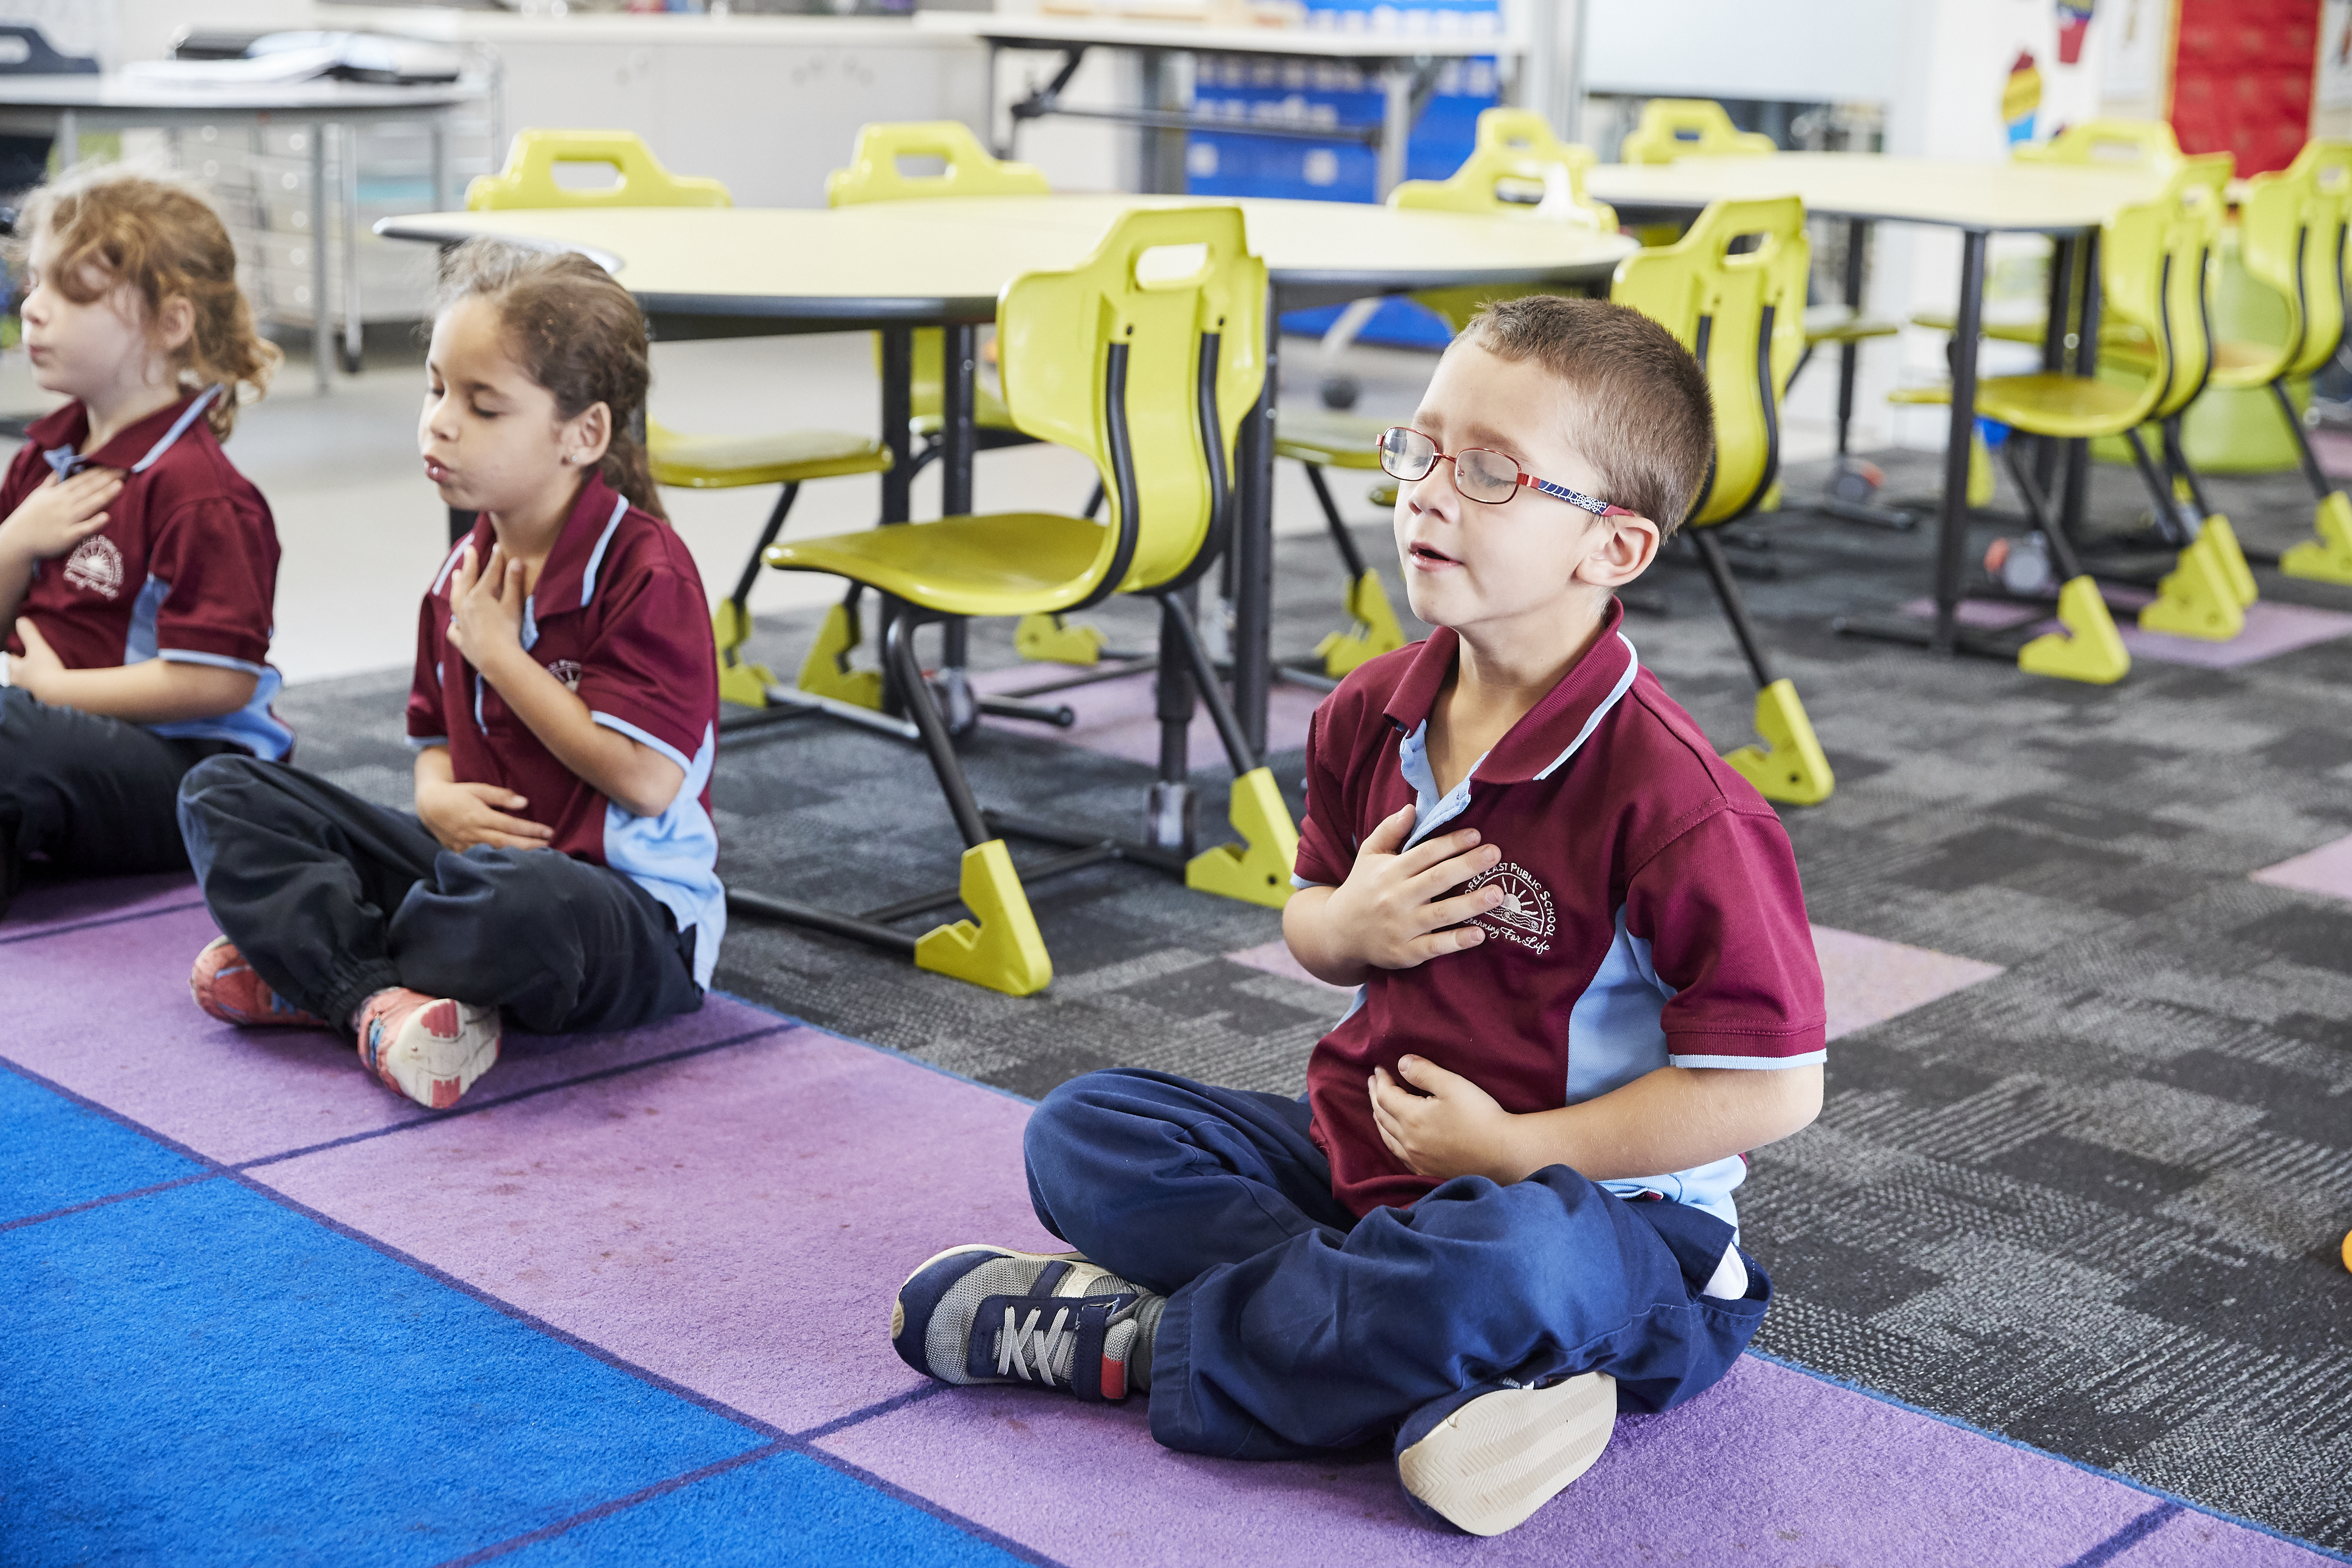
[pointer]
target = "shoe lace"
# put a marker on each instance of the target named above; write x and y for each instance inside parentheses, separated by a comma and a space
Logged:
(1022, 1352)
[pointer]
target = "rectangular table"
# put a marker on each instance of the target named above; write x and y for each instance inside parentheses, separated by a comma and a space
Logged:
(2069, 203)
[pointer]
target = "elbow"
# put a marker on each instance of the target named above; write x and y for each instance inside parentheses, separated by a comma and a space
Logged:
(650, 791)
(1801, 1100)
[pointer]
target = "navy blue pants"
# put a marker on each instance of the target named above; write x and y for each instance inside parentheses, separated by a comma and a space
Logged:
(332, 899)
(1293, 1326)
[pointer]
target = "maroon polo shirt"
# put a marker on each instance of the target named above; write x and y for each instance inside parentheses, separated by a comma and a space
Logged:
(1652, 915)
(185, 568)
(618, 616)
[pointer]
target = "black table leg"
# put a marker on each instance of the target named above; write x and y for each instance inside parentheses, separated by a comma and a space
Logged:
(2086, 363)
(898, 480)
(1952, 517)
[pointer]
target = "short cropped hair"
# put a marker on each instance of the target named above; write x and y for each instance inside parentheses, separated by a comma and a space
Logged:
(1649, 422)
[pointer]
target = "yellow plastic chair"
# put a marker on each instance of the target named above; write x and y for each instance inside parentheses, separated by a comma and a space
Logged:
(788, 459)
(1742, 316)
(2155, 277)
(1678, 127)
(877, 173)
(2097, 143)
(1517, 166)
(2292, 231)
(1673, 128)
(1151, 376)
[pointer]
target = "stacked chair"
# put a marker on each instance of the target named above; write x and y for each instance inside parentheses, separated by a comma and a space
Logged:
(1151, 377)
(2156, 280)
(1740, 312)
(788, 459)
(1516, 166)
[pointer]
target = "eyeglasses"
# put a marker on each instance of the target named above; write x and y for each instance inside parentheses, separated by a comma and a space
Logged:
(1479, 473)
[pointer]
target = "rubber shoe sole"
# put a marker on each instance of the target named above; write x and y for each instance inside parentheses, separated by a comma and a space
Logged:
(439, 1051)
(1497, 1458)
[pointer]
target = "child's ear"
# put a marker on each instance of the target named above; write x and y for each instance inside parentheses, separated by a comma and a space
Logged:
(176, 324)
(1623, 548)
(588, 433)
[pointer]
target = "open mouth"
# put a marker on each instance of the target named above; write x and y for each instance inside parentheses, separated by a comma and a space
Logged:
(1427, 555)
(437, 472)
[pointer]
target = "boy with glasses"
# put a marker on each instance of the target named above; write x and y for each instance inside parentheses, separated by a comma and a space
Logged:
(1585, 987)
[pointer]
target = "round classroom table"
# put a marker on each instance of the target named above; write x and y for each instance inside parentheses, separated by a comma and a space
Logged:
(705, 272)
(2068, 201)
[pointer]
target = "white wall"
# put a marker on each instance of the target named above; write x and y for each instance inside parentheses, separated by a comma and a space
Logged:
(1795, 51)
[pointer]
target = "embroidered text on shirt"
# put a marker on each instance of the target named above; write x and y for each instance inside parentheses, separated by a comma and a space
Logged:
(96, 565)
(1525, 916)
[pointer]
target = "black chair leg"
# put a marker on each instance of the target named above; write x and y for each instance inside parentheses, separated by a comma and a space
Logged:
(1350, 556)
(898, 647)
(741, 598)
(1735, 608)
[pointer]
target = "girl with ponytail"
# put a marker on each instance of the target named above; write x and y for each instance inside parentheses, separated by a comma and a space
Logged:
(560, 871)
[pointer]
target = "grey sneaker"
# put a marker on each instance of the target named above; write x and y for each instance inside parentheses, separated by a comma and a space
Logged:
(990, 1314)
(1487, 1458)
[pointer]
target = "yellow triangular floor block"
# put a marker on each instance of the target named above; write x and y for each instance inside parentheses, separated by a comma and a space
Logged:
(1374, 629)
(2230, 558)
(1979, 469)
(2195, 599)
(825, 672)
(1790, 767)
(1004, 952)
(2089, 649)
(1258, 869)
(1051, 640)
(2328, 558)
(739, 682)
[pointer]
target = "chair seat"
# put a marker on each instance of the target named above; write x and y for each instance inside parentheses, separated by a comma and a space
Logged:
(1005, 563)
(2236, 363)
(785, 457)
(2026, 331)
(1328, 440)
(2070, 407)
(1845, 324)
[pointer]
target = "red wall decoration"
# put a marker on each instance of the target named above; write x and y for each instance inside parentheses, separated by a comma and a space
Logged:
(2241, 77)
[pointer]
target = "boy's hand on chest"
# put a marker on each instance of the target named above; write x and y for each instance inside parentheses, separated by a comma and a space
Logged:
(1441, 1124)
(1398, 908)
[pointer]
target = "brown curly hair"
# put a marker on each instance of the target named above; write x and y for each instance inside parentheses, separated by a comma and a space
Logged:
(114, 227)
(576, 332)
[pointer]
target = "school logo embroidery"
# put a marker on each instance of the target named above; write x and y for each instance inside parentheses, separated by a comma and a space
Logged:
(96, 566)
(568, 672)
(1525, 916)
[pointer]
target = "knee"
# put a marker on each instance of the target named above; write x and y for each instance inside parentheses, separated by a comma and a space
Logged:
(1077, 1112)
(216, 778)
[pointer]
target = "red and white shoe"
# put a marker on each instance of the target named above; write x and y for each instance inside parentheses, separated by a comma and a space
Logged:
(225, 986)
(431, 1049)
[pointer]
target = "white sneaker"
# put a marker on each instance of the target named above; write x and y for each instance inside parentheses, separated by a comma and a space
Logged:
(1485, 1462)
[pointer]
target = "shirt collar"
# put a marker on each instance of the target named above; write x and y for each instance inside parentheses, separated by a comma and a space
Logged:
(1549, 733)
(132, 449)
(574, 567)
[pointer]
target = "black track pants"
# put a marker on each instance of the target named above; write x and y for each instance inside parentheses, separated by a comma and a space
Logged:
(332, 899)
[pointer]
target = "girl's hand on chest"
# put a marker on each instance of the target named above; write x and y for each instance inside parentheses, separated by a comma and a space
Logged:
(486, 606)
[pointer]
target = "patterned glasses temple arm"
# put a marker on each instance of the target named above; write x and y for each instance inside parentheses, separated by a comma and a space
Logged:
(1578, 499)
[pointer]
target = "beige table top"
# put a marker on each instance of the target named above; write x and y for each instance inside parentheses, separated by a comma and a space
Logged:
(2045, 198)
(947, 260)
(1117, 32)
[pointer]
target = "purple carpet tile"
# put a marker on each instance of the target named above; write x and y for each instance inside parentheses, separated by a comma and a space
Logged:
(105, 1011)
(1983, 614)
(2326, 870)
(1115, 719)
(739, 1221)
(1869, 981)
(2333, 450)
(1771, 1467)
(44, 906)
(2271, 629)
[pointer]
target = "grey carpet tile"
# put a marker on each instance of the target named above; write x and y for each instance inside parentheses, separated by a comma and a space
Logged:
(2091, 1204)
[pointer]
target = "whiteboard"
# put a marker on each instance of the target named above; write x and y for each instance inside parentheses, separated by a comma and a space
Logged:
(1793, 51)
